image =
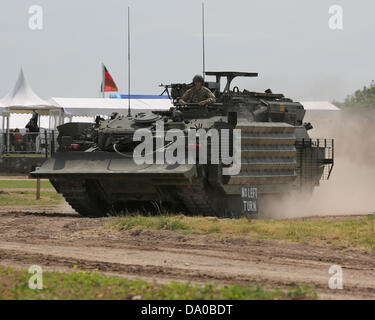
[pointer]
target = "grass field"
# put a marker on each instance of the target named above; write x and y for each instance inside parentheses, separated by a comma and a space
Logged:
(23, 184)
(33, 155)
(14, 284)
(27, 198)
(349, 232)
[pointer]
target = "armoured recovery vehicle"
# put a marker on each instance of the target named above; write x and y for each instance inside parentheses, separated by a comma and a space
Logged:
(95, 170)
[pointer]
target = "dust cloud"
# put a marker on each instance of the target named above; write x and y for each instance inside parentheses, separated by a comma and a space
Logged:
(351, 187)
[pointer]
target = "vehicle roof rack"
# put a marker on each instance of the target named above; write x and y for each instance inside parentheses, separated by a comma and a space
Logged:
(230, 75)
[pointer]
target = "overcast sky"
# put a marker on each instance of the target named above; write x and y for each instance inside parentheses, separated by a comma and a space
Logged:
(288, 42)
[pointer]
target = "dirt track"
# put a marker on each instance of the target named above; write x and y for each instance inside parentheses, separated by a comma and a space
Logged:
(57, 238)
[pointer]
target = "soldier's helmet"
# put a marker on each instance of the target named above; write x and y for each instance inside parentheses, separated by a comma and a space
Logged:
(198, 78)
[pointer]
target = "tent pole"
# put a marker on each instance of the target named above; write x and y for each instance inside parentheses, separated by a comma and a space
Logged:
(61, 118)
(7, 130)
(2, 134)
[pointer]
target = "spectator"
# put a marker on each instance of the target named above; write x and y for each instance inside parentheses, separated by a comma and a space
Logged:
(32, 125)
(11, 139)
(18, 140)
(28, 141)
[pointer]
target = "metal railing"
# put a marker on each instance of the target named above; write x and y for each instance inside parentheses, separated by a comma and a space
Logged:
(315, 157)
(15, 141)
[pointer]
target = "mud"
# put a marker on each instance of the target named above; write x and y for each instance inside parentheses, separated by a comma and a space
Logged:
(56, 238)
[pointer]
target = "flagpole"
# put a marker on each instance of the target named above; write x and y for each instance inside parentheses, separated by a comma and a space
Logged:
(129, 115)
(103, 80)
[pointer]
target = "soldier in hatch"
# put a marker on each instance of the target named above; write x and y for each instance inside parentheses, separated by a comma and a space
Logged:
(198, 94)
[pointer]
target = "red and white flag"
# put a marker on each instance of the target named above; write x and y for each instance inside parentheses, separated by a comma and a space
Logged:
(109, 84)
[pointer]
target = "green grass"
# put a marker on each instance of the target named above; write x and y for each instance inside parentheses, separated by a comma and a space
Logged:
(26, 198)
(85, 285)
(34, 155)
(151, 222)
(348, 232)
(23, 184)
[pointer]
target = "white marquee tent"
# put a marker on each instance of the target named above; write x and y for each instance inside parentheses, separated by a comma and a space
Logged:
(90, 107)
(22, 99)
(321, 113)
(85, 109)
(319, 106)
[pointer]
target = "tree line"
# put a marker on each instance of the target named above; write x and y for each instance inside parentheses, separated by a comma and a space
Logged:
(364, 98)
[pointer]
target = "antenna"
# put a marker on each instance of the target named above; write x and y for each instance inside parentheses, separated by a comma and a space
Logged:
(203, 48)
(129, 115)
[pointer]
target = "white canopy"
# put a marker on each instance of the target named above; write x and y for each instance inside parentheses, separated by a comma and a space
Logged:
(319, 106)
(22, 99)
(89, 107)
